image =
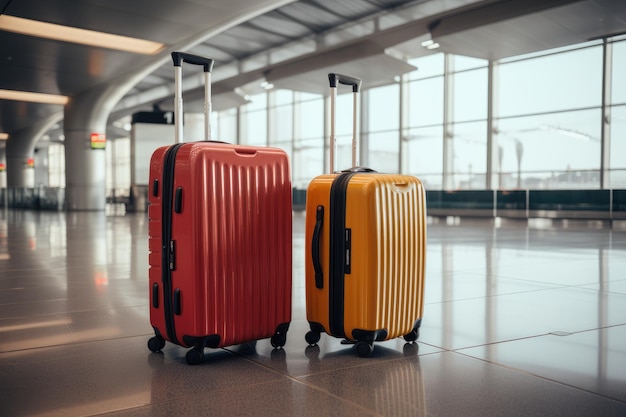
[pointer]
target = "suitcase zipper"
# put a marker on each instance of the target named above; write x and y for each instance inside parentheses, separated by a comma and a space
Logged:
(167, 249)
(339, 253)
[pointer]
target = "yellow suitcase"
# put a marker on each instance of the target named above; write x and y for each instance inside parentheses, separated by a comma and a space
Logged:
(365, 250)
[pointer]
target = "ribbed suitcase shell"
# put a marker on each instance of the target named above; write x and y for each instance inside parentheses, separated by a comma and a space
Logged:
(383, 291)
(233, 251)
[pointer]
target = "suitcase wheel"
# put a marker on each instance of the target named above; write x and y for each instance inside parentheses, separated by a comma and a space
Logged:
(412, 337)
(312, 338)
(156, 343)
(194, 356)
(278, 340)
(364, 349)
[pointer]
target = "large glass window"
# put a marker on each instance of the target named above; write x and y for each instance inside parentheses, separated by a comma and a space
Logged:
(118, 167)
(384, 108)
(427, 66)
(380, 139)
(570, 80)
(618, 146)
(422, 142)
(617, 120)
(547, 130)
(56, 165)
(470, 95)
(308, 154)
(548, 146)
(467, 135)
(469, 155)
(425, 102)
(253, 128)
(618, 95)
(556, 150)
(281, 120)
(227, 126)
(422, 152)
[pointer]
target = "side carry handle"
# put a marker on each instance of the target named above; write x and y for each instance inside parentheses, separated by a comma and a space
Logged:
(207, 63)
(315, 247)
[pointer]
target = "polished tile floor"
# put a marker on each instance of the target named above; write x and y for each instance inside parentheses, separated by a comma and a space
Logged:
(519, 321)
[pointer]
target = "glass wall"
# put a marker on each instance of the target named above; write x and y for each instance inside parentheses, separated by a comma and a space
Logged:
(56, 165)
(617, 119)
(547, 124)
(380, 138)
(253, 124)
(281, 120)
(118, 168)
(308, 141)
(422, 138)
(549, 120)
(466, 129)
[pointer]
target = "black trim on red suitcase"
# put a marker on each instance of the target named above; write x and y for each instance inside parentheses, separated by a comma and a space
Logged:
(167, 244)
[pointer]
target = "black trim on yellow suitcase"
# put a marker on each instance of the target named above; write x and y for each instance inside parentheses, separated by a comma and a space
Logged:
(339, 253)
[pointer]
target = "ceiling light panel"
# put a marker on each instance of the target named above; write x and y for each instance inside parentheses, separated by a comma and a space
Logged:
(79, 36)
(33, 97)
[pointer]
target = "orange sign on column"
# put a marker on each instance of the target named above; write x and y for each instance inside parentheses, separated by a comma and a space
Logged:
(98, 141)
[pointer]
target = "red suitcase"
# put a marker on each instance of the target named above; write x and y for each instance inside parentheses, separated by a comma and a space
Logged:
(220, 221)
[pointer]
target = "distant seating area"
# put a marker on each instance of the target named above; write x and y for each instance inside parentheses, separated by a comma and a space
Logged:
(561, 204)
(523, 204)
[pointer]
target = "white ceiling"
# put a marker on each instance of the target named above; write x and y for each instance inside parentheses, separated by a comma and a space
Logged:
(291, 44)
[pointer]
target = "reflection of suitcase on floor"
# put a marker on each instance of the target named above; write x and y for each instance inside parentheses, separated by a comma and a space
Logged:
(365, 250)
(220, 223)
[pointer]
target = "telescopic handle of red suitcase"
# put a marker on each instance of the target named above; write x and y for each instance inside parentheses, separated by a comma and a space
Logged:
(207, 64)
(334, 80)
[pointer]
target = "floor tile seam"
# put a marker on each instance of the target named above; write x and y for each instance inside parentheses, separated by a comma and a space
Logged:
(225, 390)
(433, 346)
(459, 349)
(297, 380)
(85, 342)
(367, 362)
(534, 375)
(613, 292)
(531, 281)
(251, 359)
(582, 287)
(516, 339)
(185, 397)
(594, 329)
(554, 287)
(95, 297)
(66, 313)
(560, 287)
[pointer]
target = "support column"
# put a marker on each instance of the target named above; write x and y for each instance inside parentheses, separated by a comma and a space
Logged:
(20, 149)
(448, 123)
(3, 167)
(493, 148)
(85, 167)
(605, 157)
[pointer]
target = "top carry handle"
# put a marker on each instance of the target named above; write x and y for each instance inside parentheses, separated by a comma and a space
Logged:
(335, 79)
(207, 64)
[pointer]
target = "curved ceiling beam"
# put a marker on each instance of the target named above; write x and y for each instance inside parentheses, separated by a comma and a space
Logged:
(106, 96)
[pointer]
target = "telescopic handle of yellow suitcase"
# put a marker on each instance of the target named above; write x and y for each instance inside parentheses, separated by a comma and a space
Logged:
(334, 80)
(207, 64)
